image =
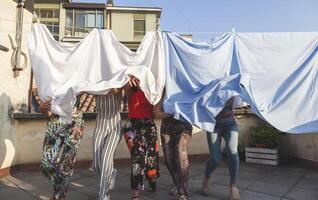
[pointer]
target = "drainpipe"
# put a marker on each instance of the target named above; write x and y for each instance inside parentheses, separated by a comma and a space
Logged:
(16, 44)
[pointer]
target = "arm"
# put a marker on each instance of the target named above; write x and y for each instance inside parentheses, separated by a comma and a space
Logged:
(158, 109)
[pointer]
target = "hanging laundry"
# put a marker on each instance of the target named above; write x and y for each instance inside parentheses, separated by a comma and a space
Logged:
(96, 64)
(200, 79)
(279, 72)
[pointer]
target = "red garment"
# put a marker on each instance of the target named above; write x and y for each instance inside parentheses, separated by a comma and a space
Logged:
(138, 106)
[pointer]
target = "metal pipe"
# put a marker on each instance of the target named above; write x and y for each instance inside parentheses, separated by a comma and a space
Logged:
(3, 48)
(18, 36)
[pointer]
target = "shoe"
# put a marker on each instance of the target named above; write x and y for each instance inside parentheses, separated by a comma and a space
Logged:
(234, 193)
(205, 186)
(135, 195)
(183, 197)
(173, 191)
(107, 197)
(113, 179)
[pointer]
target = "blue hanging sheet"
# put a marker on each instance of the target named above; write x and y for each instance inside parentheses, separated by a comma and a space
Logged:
(278, 73)
(199, 79)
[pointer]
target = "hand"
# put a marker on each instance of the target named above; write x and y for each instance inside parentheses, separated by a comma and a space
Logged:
(45, 108)
(134, 82)
(113, 91)
(161, 115)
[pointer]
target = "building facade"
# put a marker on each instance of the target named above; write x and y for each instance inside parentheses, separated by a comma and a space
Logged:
(70, 22)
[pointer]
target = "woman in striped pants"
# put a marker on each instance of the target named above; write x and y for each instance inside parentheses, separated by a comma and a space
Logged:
(107, 135)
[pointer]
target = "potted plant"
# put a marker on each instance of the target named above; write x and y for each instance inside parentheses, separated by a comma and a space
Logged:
(264, 145)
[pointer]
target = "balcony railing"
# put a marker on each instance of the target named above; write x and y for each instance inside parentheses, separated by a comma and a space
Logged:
(78, 32)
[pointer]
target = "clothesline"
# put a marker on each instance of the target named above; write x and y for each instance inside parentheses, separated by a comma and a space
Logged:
(192, 32)
(215, 32)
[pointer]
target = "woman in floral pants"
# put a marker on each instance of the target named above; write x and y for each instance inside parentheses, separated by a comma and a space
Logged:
(175, 138)
(141, 137)
(60, 136)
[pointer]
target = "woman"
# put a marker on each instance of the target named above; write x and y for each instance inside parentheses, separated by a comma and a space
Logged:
(175, 138)
(141, 137)
(60, 136)
(107, 135)
(227, 128)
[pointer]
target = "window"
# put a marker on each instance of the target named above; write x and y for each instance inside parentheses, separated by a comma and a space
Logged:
(100, 20)
(46, 13)
(139, 27)
(80, 22)
(53, 28)
(90, 18)
(50, 17)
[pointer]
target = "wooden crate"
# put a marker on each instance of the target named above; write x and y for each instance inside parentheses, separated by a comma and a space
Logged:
(262, 156)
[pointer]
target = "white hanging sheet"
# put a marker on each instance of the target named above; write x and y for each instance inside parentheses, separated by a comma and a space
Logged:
(96, 64)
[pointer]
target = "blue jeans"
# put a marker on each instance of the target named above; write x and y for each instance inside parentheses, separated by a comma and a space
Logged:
(229, 130)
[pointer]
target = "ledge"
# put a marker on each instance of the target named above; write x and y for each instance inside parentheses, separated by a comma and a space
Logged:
(92, 115)
(23, 116)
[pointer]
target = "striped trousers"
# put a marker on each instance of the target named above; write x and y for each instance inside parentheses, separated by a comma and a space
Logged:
(107, 135)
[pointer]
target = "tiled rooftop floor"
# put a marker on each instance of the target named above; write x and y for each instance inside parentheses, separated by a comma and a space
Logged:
(256, 182)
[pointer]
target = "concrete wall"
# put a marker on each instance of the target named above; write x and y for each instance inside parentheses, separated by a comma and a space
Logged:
(26, 147)
(13, 91)
(31, 132)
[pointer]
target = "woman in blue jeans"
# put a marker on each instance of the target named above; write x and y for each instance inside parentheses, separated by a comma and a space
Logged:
(225, 127)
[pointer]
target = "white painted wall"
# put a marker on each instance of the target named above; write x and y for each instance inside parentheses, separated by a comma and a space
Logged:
(13, 91)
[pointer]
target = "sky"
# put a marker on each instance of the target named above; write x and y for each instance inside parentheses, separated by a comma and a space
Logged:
(203, 18)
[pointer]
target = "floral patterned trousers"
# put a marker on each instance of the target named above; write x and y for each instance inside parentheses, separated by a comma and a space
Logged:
(141, 138)
(175, 138)
(64, 137)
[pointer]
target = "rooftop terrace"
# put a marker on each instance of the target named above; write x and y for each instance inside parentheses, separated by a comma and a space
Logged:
(256, 182)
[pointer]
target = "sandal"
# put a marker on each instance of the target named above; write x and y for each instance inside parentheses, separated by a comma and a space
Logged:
(205, 186)
(135, 197)
(234, 193)
(173, 191)
(183, 197)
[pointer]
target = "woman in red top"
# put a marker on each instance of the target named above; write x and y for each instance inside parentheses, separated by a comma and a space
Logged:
(140, 134)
